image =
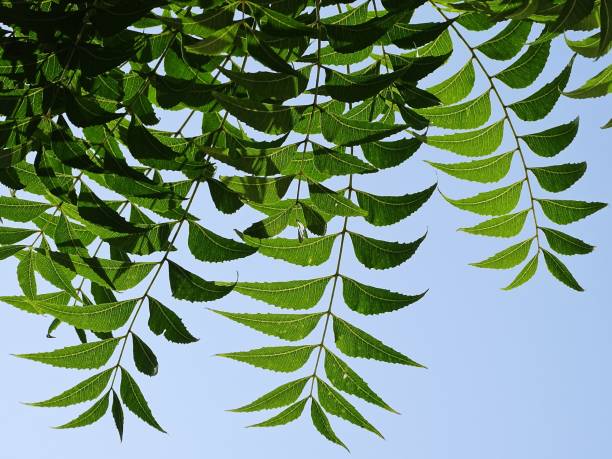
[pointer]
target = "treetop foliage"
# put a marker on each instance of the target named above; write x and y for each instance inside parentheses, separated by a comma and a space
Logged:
(293, 98)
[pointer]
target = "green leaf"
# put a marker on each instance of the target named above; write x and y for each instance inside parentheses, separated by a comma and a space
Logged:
(480, 142)
(336, 404)
(598, 86)
(505, 226)
(25, 274)
(559, 178)
(310, 252)
(368, 300)
(487, 170)
(564, 212)
(90, 416)
(132, 398)
(345, 379)
(377, 254)
(270, 226)
(29, 305)
(21, 210)
(95, 210)
(56, 274)
(283, 395)
(118, 417)
(494, 202)
(390, 154)
(356, 343)
(66, 238)
(188, 286)
(525, 274)
(291, 327)
(467, 115)
(296, 294)
(285, 416)
(526, 69)
(96, 317)
(259, 189)
(507, 44)
(565, 244)
(560, 271)
(606, 27)
(388, 210)
(144, 358)
(13, 235)
(507, 258)
(333, 163)
(84, 391)
(457, 87)
(216, 43)
(280, 86)
(340, 130)
(81, 356)
(333, 203)
(285, 359)
(268, 118)
(355, 88)
(539, 104)
(587, 47)
(322, 424)
(552, 141)
(163, 320)
(10, 250)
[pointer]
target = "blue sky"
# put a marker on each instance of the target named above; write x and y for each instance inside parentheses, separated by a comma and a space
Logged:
(510, 375)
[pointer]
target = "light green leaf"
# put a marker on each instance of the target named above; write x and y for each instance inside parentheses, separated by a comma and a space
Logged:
(507, 258)
(333, 203)
(390, 154)
(96, 317)
(506, 44)
(552, 141)
(281, 396)
(357, 343)
(297, 294)
(259, 189)
(559, 178)
(291, 327)
(322, 424)
(188, 286)
(285, 359)
(21, 210)
(30, 305)
(388, 210)
(310, 252)
(494, 202)
(480, 142)
(163, 320)
(81, 356)
(118, 417)
(285, 416)
(505, 226)
(539, 104)
(132, 398)
(216, 43)
(560, 271)
(457, 87)
(345, 379)
(90, 416)
(377, 254)
(333, 163)
(525, 274)
(86, 390)
(565, 244)
(564, 212)
(336, 404)
(598, 86)
(467, 115)
(340, 130)
(25, 274)
(12, 235)
(369, 300)
(487, 170)
(526, 69)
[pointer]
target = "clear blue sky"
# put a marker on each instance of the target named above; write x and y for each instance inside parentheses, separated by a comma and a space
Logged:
(524, 374)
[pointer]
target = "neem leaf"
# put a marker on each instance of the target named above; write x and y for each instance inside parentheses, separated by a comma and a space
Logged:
(507, 258)
(390, 154)
(505, 226)
(285, 416)
(564, 243)
(86, 390)
(388, 210)
(188, 286)
(560, 271)
(322, 424)
(309, 252)
(559, 178)
(283, 395)
(487, 170)
(480, 142)
(82, 356)
(377, 254)
(526, 69)
(132, 398)
(506, 44)
(598, 86)
(466, 115)
(96, 317)
(163, 320)
(291, 327)
(341, 130)
(368, 300)
(333, 203)
(90, 416)
(144, 358)
(285, 359)
(21, 210)
(356, 343)
(564, 212)
(494, 202)
(525, 274)
(296, 294)
(552, 141)
(26, 276)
